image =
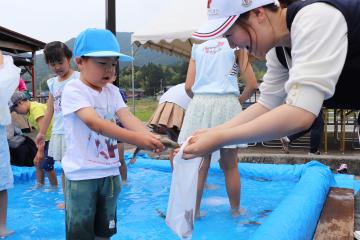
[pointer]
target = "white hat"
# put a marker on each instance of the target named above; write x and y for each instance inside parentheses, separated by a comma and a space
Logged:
(222, 14)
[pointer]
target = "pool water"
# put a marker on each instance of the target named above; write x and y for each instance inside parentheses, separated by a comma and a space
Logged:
(32, 213)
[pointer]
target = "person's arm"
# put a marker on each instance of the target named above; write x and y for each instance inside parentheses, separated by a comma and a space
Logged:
(281, 121)
(110, 129)
(44, 125)
(190, 78)
(1, 58)
(40, 149)
(130, 122)
(247, 75)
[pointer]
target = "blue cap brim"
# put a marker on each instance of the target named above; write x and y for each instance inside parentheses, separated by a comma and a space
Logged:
(122, 57)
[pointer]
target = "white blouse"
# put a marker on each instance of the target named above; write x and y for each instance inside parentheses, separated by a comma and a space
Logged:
(319, 48)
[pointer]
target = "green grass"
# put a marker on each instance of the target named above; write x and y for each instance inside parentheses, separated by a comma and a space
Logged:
(144, 108)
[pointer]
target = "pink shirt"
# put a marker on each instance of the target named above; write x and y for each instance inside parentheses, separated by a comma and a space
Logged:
(22, 85)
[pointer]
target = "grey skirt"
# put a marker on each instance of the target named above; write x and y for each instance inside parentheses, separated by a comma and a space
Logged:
(209, 110)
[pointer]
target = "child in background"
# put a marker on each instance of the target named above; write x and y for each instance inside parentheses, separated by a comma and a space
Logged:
(35, 113)
(22, 85)
(168, 116)
(57, 57)
(212, 83)
(120, 144)
(9, 74)
(170, 113)
(91, 164)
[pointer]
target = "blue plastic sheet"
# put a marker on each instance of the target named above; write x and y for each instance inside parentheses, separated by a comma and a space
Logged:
(295, 217)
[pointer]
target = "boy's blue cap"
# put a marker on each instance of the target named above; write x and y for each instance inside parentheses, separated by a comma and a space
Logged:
(98, 43)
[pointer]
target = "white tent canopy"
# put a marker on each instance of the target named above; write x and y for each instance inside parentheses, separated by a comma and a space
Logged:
(171, 29)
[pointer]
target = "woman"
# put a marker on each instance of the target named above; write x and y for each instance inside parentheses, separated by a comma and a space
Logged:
(319, 51)
(212, 84)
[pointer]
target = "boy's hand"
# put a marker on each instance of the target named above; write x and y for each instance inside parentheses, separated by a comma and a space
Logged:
(39, 156)
(149, 141)
(40, 140)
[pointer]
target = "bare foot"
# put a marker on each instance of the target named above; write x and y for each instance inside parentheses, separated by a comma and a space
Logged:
(4, 232)
(38, 185)
(236, 212)
(199, 214)
(132, 160)
(60, 206)
(211, 186)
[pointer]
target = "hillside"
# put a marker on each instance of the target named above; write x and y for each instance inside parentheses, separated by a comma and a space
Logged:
(142, 57)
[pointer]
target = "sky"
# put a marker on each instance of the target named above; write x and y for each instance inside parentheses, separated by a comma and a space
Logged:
(50, 20)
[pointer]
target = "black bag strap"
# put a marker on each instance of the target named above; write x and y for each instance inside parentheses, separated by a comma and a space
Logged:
(281, 55)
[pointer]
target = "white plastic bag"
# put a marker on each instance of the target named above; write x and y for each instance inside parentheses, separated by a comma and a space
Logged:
(9, 80)
(180, 214)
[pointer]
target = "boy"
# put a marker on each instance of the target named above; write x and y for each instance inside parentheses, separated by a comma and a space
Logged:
(35, 114)
(91, 164)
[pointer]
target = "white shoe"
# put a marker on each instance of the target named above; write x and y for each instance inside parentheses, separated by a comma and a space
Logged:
(357, 235)
(285, 141)
(315, 153)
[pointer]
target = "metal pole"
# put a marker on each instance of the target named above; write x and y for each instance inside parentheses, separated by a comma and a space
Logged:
(110, 14)
(132, 78)
(33, 75)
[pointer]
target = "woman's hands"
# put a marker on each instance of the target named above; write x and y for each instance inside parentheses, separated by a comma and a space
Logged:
(203, 142)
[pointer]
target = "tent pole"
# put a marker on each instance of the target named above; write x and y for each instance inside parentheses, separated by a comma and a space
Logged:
(132, 78)
(33, 75)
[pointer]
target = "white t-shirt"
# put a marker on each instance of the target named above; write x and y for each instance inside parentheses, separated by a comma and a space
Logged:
(216, 68)
(89, 155)
(177, 95)
(56, 87)
(319, 47)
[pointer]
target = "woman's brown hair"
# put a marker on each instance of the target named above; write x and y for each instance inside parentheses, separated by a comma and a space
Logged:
(242, 19)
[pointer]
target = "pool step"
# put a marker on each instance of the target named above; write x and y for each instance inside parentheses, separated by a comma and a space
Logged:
(337, 217)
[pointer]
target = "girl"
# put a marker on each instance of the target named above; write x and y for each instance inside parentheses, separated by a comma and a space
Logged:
(213, 86)
(312, 48)
(57, 56)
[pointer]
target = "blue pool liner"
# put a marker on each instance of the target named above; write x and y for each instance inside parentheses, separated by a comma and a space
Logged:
(295, 217)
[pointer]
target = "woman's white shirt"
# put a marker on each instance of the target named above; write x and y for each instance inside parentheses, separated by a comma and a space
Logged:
(318, 52)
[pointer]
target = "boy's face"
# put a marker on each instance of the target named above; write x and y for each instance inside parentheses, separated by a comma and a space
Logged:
(61, 67)
(21, 107)
(97, 71)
